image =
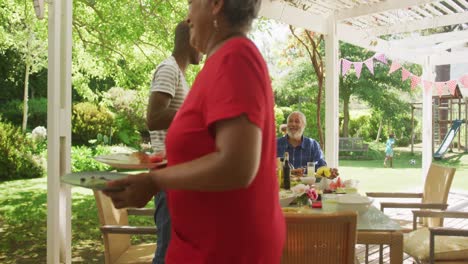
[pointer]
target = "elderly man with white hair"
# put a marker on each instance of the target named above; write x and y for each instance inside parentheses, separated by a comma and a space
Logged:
(301, 149)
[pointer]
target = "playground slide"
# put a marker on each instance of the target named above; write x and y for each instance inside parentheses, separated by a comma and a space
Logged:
(448, 139)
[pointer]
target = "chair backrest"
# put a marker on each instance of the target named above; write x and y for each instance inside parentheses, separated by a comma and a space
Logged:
(320, 238)
(436, 189)
(114, 244)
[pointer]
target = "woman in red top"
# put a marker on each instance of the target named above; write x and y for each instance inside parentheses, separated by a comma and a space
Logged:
(220, 178)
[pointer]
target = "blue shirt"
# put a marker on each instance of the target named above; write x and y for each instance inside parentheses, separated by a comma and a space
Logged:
(309, 150)
(389, 146)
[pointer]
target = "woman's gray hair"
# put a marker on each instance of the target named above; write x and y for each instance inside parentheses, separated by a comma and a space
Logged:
(241, 13)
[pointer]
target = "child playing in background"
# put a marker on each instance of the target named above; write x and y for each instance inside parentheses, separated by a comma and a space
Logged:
(389, 150)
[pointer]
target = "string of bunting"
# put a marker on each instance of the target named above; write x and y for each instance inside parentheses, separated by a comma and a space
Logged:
(451, 85)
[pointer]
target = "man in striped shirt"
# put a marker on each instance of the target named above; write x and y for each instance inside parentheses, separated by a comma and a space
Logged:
(301, 149)
(167, 93)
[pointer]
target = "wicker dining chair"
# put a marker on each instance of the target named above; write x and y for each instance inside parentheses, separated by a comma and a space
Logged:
(116, 234)
(320, 238)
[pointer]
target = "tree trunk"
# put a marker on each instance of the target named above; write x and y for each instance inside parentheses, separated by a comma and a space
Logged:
(25, 97)
(346, 116)
(379, 131)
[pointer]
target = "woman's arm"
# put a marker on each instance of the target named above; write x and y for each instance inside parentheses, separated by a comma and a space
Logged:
(232, 166)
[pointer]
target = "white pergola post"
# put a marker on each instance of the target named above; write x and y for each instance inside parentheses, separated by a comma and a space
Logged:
(59, 131)
(428, 75)
(332, 73)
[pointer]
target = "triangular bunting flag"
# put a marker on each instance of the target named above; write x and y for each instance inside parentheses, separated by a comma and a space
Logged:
(452, 84)
(358, 68)
(370, 65)
(428, 85)
(345, 66)
(439, 86)
(381, 57)
(395, 66)
(464, 81)
(415, 80)
(405, 74)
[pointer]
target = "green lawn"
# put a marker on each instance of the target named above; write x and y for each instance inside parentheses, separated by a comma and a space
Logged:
(23, 207)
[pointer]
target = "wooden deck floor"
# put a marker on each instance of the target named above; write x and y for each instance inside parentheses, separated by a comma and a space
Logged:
(457, 200)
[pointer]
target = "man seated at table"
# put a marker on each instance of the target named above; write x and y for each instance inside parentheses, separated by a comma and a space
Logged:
(301, 149)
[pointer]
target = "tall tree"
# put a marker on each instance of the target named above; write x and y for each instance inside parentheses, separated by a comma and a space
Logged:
(313, 44)
(23, 33)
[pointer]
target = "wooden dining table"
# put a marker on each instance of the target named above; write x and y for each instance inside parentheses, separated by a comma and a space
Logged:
(373, 227)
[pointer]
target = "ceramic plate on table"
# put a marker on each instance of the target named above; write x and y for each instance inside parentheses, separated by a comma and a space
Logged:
(96, 180)
(127, 161)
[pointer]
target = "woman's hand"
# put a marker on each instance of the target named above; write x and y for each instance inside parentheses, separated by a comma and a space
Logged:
(137, 191)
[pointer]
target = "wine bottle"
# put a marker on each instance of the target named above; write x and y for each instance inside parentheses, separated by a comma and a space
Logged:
(286, 172)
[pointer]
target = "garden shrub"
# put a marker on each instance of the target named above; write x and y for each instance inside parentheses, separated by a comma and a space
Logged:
(82, 158)
(129, 107)
(89, 120)
(12, 111)
(402, 142)
(16, 159)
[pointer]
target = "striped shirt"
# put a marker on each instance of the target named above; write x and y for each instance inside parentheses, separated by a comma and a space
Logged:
(308, 151)
(168, 78)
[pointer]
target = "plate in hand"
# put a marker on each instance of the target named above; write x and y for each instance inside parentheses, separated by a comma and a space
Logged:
(96, 180)
(127, 161)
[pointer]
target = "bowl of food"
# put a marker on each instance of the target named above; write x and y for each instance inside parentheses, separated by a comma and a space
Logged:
(308, 180)
(357, 203)
(286, 198)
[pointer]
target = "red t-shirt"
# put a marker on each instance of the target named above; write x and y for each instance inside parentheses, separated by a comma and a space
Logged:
(237, 226)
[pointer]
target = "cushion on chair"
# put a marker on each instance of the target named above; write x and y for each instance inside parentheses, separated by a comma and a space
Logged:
(416, 244)
(138, 254)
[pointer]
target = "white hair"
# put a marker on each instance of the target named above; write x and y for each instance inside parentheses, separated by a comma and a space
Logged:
(301, 116)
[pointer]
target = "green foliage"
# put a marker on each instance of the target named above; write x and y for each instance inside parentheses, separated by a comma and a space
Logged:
(82, 158)
(88, 121)
(16, 159)
(37, 116)
(297, 91)
(129, 107)
(360, 127)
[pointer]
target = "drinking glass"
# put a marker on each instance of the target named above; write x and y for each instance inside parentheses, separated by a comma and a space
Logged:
(311, 168)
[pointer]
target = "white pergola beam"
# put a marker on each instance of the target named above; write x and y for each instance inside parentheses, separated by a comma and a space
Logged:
(363, 10)
(428, 75)
(435, 22)
(285, 13)
(456, 57)
(420, 41)
(359, 38)
(332, 74)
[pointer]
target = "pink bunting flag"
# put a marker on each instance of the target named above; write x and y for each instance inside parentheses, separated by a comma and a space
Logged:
(415, 81)
(464, 81)
(439, 86)
(405, 74)
(358, 68)
(395, 66)
(381, 57)
(345, 66)
(452, 85)
(428, 85)
(370, 65)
